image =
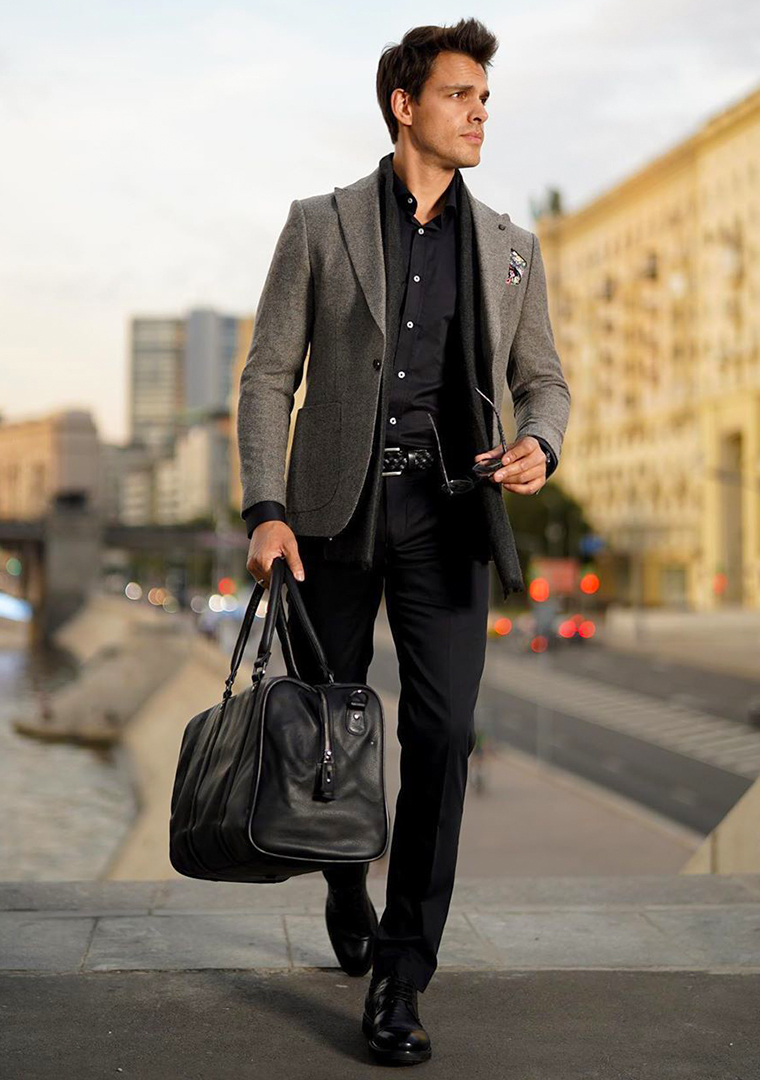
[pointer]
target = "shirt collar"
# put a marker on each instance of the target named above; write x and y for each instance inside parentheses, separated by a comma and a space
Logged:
(403, 194)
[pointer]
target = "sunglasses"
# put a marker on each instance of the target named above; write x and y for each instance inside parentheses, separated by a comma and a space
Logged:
(481, 469)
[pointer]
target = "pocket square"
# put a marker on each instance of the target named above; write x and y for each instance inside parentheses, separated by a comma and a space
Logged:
(516, 266)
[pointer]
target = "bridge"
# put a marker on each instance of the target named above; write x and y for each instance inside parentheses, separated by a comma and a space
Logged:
(61, 554)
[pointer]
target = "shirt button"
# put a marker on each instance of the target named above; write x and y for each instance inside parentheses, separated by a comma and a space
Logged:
(401, 374)
(377, 363)
(420, 230)
(410, 324)
(410, 199)
(392, 420)
(416, 277)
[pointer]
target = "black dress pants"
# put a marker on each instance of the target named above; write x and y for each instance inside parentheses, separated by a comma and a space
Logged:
(436, 595)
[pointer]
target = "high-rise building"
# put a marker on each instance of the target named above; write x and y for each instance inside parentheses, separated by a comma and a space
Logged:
(210, 348)
(156, 391)
(181, 371)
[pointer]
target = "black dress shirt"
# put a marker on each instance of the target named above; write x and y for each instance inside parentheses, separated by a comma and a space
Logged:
(425, 346)
(430, 296)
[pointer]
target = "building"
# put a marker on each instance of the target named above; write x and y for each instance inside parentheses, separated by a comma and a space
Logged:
(181, 370)
(48, 457)
(156, 381)
(209, 355)
(654, 292)
(116, 462)
(202, 470)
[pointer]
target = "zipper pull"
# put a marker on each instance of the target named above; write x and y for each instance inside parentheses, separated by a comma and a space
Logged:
(326, 779)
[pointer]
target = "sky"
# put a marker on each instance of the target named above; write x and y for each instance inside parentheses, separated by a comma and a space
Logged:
(151, 151)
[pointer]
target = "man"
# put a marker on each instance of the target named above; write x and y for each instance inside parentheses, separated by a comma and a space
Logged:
(416, 303)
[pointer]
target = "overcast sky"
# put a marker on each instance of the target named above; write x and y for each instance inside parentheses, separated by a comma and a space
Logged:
(151, 151)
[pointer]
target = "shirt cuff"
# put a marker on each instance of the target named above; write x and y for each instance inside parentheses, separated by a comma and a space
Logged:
(264, 510)
(551, 461)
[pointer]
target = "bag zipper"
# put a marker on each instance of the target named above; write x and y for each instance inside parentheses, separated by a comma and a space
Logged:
(326, 767)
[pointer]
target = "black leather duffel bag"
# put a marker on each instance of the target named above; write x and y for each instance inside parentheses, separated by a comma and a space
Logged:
(283, 778)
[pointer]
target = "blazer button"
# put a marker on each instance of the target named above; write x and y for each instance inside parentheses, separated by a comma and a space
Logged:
(376, 363)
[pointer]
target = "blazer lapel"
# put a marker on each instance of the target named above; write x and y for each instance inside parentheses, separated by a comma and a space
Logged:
(493, 266)
(359, 213)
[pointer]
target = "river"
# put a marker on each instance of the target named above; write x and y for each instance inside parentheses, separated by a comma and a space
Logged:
(65, 809)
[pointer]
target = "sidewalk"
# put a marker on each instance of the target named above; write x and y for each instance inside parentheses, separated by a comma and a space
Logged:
(534, 819)
(538, 979)
(726, 640)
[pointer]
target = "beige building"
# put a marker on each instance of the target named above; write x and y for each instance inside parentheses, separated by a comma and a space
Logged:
(654, 291)
(187, 484)
(202, 470)
(45, 457)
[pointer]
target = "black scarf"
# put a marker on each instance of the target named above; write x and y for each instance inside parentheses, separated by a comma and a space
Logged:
(356, 542)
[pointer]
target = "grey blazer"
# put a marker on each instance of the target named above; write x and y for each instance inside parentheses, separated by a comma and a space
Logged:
(324, 295)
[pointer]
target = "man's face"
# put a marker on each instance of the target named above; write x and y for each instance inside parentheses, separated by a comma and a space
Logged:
(450, 110)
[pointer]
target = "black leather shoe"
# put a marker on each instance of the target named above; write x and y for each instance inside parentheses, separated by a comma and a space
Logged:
(395, 1034)
(352, 926)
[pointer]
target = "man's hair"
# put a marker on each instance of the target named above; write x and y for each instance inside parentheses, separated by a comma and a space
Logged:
(408, 65)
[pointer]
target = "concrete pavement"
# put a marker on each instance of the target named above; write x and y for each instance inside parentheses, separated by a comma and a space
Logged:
(647, 922)
(538, 979)
(551, 1025)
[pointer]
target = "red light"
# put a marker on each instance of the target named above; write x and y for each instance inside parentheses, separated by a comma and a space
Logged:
(503, 625)
(539, 589)
(226, 586)
(589, 583)
(539, 644)
(587, 629)
(567, 628)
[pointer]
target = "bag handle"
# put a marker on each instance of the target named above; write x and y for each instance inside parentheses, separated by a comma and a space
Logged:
(280, 573)
(303, 617)
(287, 648)
(242, 638)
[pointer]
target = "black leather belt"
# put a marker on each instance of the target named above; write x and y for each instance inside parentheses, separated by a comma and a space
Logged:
(402, 459)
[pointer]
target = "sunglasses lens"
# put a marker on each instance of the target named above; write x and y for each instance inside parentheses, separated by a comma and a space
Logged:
(486, 468)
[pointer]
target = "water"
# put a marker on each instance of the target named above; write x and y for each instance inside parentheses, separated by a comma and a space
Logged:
(65, 809)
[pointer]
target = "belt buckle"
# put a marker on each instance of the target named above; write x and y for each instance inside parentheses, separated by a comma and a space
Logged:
(421, 460)
(392, 472)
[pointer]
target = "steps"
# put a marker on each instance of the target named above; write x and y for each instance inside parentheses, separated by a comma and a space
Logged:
(639, 923)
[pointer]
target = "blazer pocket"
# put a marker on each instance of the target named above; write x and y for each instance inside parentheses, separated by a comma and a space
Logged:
(314, 468)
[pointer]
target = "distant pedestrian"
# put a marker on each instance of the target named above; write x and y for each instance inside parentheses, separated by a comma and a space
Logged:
(477, 771)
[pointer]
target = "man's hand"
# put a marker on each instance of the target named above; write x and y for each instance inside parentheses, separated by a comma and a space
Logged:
(268, 540)
(524, 465)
